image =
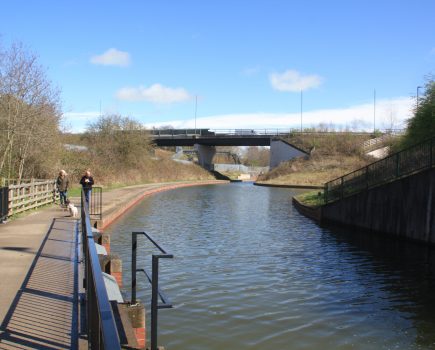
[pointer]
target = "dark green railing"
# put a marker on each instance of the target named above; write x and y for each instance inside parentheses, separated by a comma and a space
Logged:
(406, 162)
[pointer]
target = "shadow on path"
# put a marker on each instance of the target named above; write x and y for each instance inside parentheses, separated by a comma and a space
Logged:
(44, 313)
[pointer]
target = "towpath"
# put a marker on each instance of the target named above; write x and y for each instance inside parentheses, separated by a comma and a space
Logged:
(39, 271)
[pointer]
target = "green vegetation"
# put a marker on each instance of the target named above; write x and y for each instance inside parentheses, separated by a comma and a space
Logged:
(331, 155)
(422, 126)
(312, 198)
(118, 151)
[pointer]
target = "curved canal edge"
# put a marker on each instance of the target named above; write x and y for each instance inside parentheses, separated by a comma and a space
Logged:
(120, 204)
(314, 213)
(308, 187)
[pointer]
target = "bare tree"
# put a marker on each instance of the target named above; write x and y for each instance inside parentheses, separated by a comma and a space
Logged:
(256, 156)
(29, 110)
(118, 140)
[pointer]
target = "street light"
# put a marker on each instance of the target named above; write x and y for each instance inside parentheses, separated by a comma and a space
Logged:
(196, 108)
(374, 111)
(418, 87)
(301, 110)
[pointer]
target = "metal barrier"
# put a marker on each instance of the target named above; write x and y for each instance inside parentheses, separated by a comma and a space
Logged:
(96, 203)
(154, 280)
(101, 326)
(406, 162)
(4, 203)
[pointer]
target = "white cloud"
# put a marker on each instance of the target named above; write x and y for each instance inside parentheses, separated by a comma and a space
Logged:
(112, 57)
(292, 80)
(360, 116)
(156, 93)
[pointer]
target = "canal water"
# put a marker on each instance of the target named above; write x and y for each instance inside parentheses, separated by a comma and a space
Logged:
(251, 273)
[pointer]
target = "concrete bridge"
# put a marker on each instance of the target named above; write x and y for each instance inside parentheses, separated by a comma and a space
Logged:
(205, 140)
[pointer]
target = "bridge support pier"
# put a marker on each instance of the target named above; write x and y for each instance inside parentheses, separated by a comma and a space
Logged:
(205, 155)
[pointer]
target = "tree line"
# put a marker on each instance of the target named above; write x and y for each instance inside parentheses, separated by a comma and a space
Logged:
(117, 148)
(422, 125)
(30, 114)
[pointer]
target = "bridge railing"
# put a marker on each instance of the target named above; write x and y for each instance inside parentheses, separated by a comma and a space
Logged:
(406, 162)
(174, 133)
(180, 132)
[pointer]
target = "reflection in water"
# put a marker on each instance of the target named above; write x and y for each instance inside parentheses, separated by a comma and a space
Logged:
(250, 272)
(407, 271)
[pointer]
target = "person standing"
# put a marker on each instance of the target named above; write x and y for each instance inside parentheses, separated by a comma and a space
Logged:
(62, 183)
(87, 181)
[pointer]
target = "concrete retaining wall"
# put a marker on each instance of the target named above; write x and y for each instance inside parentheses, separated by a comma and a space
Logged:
(281, 151)
(403, 208)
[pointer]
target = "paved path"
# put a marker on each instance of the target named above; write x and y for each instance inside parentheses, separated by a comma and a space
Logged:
(43, 311)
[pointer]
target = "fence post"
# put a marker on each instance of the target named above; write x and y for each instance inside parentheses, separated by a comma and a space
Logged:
(367, 177)
(342, 188)
(4, 203)
(325, 193)
(397, 164)
(133, 268)
(431, 153)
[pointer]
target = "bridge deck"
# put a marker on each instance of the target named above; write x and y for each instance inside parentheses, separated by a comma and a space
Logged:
(217, 140)
(39, 300)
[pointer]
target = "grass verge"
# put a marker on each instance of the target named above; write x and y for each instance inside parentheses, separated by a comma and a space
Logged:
(311, 199)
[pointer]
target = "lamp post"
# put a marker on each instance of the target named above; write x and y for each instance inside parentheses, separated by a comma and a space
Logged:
(418, 87)
(374, 111)
(301, 110)
(196, 108)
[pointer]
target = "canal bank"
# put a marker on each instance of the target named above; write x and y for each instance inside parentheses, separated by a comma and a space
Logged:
(401, 209)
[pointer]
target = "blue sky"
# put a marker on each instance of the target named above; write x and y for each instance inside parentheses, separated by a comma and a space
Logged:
(245, 60)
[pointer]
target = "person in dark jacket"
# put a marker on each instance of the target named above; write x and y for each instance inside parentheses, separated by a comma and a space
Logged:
(87, 181)
(62, 183)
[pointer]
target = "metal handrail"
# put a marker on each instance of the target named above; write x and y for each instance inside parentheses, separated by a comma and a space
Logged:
(156, 293)
(403, 163)
(101, 326)
(96, 203)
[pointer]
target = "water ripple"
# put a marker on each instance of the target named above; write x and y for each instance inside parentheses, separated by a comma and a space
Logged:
(252, 273)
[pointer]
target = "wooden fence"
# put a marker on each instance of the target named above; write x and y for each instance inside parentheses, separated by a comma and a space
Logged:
(31, 195)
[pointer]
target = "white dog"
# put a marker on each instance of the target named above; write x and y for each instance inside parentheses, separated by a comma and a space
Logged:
(73, 211)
